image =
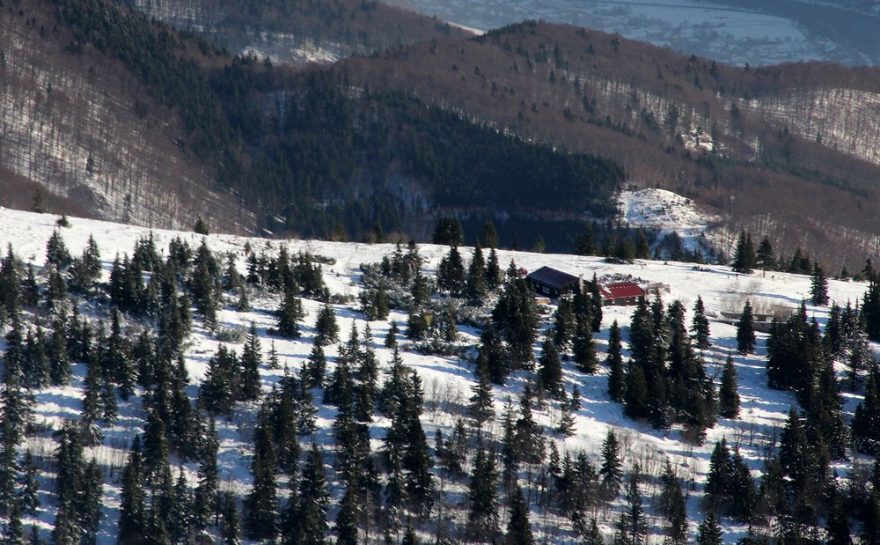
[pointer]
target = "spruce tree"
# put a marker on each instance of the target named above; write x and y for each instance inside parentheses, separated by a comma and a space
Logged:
(583, 347)
(493, 270)
(28, 497)
(13, 531)
(391, 337)
(261, 505)
(229, 524)
(289, 314)
(745, 331)
(764, 256)
(346, 519)
(451, 273)
(482, 522)
(550, 369)
(519, 530)
(564, 324)
(476, 285)
(744, 257)
(481, 407)
(250, 361)
(595, 304)
(614, 360)
(709, 531)
(700, 326)
(205, 503)
(866, 422)
(672, 506)
(326, 329)
(57, 254)
(316, 367)
(818, 286)
(529, 438)
(566, 418)
(728, 395)
(611, 471)
(313, 501)
(633, 524)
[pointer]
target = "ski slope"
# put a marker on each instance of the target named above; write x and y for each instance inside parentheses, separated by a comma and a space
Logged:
(447, 381)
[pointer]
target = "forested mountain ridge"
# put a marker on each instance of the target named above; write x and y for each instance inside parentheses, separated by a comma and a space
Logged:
(792, 145)
(489, 127)
(305, 152)
(298, 31)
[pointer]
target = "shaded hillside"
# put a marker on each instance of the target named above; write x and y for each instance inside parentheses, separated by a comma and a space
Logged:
(300, 30)
(76, 120)
(303, 152)
(795, 142)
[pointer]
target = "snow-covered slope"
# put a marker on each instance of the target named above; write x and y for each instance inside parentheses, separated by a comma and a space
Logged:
(667, 212)
(447, 381)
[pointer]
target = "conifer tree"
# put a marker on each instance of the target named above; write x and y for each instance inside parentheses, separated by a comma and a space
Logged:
(482, 522)
(745, 331)
(818, 286)
(28, 496)
(481, 406)
(837, 525)
(611, 471)
(491, 358)
(205, 503)
(13, 532)
(57, 254)
(633, 525)
(550, 369)
(719, 483)
(866, 422)
(229, 524)
(614, 360)
(476, 286)
(91, 405)
(519, 530)
(672, 505)
(316, 367)
(346, 519)
(529, 439)
(391, 337)
(566, 418)
(595, 304)
(261, 505)
(274, 362)
(700, 326)
(583, 346)
(744, 257)
(493, 270)
(728, 395)
(326, 328)
(289, 314)
(709, 532)
(635, 397)
(765, 257)
(250, 362)
(132, 527)
(564, 324)
(313, 500)
(450, 273)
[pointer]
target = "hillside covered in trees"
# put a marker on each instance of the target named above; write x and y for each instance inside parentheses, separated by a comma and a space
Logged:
(164, 387)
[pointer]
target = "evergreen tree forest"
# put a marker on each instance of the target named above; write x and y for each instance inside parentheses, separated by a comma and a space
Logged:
(246, 396)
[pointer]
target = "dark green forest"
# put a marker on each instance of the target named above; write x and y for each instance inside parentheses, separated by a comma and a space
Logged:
(316, 156)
